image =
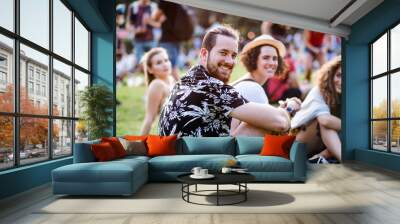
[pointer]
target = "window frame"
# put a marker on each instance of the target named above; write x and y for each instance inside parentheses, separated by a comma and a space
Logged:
(388, 74)
(16, 114)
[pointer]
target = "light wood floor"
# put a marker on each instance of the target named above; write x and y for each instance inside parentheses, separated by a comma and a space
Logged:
(377, 188)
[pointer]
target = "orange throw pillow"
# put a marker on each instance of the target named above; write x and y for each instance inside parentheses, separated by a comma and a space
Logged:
(277, 145)
(103, 152)
(116, 145)
(161, 145)
(135, 137)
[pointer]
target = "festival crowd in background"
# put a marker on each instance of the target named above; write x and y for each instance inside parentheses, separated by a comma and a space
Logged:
(306, 50)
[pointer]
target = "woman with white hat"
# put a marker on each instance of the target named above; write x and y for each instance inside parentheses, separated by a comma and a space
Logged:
(263, 58)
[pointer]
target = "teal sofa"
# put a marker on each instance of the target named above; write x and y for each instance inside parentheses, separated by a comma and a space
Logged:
(125, 176)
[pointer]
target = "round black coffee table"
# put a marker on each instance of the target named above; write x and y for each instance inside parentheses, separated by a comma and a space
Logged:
(238, 179)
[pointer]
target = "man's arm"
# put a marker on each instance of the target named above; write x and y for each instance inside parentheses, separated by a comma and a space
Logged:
(263, 116)
(330, 122)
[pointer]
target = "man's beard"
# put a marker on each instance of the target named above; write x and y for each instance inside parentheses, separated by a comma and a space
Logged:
(213, 70)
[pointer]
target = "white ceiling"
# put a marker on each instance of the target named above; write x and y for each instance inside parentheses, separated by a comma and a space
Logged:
(318, 15)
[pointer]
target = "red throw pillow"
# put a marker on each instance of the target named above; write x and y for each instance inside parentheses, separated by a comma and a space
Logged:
(161, 145)
(277, 145)
(116, 145)
(103, 151)
(135, 137)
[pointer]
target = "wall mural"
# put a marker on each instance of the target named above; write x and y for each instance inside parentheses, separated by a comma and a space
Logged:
(193, 72)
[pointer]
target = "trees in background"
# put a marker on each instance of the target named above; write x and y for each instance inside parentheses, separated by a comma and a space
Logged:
(379, 128)
(33, 131)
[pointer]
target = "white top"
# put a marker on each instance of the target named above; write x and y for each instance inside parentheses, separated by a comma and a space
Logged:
(251, 91)
(135, 5)
(313, 106)
(126, 64)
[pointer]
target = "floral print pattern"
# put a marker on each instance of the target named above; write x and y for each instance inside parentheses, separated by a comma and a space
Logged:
(199, 105)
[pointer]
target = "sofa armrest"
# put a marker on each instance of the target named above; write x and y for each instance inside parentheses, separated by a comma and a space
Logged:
(83, 152)
(298, 155)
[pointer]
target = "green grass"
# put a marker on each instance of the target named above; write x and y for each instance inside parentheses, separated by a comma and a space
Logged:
(130, 113)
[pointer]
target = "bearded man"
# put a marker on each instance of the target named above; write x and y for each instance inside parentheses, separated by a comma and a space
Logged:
(203, 104)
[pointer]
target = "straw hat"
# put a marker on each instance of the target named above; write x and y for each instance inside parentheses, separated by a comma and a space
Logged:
(265, 40)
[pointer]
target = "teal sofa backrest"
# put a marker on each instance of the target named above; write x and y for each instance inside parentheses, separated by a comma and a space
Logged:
(249, 145)
(83, 152)
(206, 145)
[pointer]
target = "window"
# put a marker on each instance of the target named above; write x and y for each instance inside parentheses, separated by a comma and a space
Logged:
(54, 125)
(81, 45)
(3, 71)
(385, 97)
(7, 142)
(30, 87)
(62, 74)
(3, 61)
(3, 81)
(62, 130)
(37, 74)
(44, 91)
(81, 81)
(7, 14)
(38, 89)
(3, 78)
(62, 29)
(30, 73)
(6, 73)
(35, 22)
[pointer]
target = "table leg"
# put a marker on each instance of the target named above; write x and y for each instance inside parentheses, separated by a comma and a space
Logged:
(245, 193)
(217, 194)
(188, 189)
(182, 190)
(196, 188)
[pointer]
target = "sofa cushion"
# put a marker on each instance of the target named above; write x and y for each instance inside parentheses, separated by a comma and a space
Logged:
(135, 137)
(134, 147)
(185, 163)
(133, 157)
(206, 145)
(161, 145)
(249, 145)
(103, 151)
(257, 163)
(277, 145)
(112, 171)
(116, 145)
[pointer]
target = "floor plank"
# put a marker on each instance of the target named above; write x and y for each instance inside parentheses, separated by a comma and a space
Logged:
(377, 190)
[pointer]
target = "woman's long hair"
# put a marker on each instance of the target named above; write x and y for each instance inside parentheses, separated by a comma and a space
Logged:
(146, 60)
(327, 86)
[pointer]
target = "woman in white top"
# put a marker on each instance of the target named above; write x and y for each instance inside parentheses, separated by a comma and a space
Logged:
(157, 71)
(319, 116)
(263, 58)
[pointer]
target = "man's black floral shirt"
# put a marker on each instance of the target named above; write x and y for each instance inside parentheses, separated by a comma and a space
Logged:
(199, 105)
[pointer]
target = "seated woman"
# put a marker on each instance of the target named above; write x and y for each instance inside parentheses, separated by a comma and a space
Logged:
(157, 71)
(263, 58)
(319, 117)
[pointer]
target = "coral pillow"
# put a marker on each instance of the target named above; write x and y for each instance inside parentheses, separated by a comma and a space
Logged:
(161, 145)
(135, 137)
(103, 151)
(277, 145)
(116, 145)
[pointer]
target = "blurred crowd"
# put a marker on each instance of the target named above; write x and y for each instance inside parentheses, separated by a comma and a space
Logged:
(145, 24)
